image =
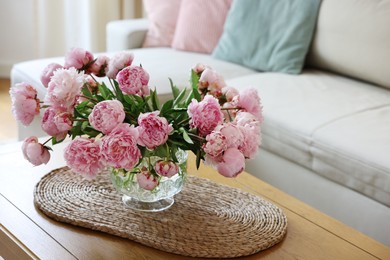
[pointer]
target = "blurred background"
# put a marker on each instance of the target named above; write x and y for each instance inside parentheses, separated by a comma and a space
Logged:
(33, 29)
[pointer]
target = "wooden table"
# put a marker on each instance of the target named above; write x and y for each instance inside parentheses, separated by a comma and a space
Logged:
(26, 233)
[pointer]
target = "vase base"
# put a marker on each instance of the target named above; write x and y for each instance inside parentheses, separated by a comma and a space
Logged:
(154, 206)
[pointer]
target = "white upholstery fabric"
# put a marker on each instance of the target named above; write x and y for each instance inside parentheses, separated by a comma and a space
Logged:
(355, 151)
(350, 207)
(126, 34)
(302, 112)
(164, 63)
(352, 38)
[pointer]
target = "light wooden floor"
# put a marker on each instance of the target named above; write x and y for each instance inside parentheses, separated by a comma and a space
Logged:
(8, 126)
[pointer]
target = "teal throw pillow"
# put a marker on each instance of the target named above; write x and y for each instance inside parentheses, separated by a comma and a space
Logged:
(268, 35)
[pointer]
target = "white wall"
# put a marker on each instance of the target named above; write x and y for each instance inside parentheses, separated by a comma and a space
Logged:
(16, 33)
(32, 29)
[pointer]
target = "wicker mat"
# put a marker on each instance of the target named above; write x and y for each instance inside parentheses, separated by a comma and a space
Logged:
(206, 220)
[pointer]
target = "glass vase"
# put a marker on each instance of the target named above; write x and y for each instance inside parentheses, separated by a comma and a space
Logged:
(158, 199)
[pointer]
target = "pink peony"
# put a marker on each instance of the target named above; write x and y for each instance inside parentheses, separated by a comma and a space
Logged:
(47, 73)
(64, 88)
(146, 180)
(232, 133)
(250, 128)
(166, 168)
(199, 68)
(35, 152)
(56, 123)
(106, 115)
(132, 80)
(249, 100)
(247, 119)
(25, 103)
(100, 66)
(78, 58)
(82, 155)
(119, 148)
(205, 115)
(233, 163)
(229, 93)
(229, 111)
(252, 140)
(153, 130)
(211, 81)
(119, 61)
(216, 144)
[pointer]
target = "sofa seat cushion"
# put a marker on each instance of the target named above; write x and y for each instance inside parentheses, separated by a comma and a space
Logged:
(355, 151)
(162, 63)
(297, 108)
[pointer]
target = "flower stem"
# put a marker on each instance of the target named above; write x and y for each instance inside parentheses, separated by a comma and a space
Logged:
(112, 85)
(197, 137)
(47, 141)
(168, 153)
(230, 116)
(184, 121)
(91, 99)
(93, 78)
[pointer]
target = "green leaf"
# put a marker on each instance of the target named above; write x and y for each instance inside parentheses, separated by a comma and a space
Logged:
(186, 137)
(76, 129)
(155, 101)
(100, 98)
(84, 125)
(189, 98)
(166, 107)
(90, 131)
(179, 97)
(175, 90)
(171, 142)
(105, 92)
(198, 158)
(160, 151)
(118, 91)
(107, 89)
(196, 94)
(82, 105)
(86, 92)
(173, 153)
(54, 140)
(194, 80)
(128, 99)
(78, 113)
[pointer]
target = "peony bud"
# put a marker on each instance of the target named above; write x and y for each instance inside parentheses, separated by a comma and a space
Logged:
(146, 180)
(35, 152)
(166, 168)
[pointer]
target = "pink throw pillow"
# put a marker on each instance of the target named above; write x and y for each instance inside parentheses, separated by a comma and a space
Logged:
(162, 17)
(200, 25)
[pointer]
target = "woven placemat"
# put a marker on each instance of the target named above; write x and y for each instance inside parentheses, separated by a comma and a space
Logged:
(206, 220)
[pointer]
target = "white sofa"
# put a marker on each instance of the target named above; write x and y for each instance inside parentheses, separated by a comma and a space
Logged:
(326, 134)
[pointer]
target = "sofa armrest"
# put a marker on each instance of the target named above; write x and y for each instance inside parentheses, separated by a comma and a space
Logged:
(126, 34)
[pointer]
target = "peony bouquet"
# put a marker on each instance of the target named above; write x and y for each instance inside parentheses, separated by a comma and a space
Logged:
(115, 119)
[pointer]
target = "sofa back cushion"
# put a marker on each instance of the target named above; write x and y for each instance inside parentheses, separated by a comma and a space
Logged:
(162, 17)
(352, 38)
(200, 25)
(268, 35)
